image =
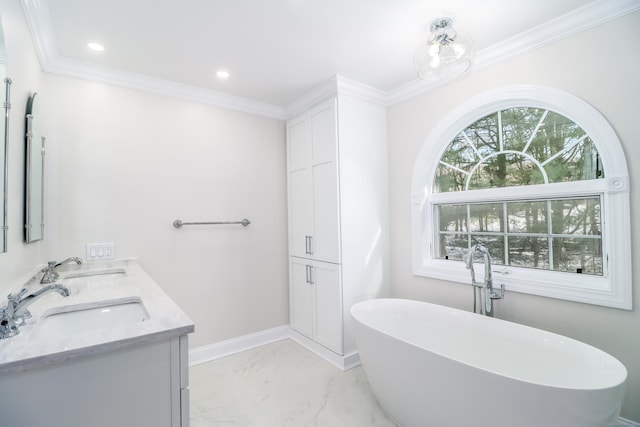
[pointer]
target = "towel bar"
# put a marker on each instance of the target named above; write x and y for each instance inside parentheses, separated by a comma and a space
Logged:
(178, 223)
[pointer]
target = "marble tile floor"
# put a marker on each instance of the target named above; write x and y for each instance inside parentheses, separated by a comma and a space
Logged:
(281, 385)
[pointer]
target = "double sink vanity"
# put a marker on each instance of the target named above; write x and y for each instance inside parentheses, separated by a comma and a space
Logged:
(99, 344)
(112, 352)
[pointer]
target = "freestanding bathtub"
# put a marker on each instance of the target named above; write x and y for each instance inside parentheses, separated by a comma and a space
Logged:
(434, 366)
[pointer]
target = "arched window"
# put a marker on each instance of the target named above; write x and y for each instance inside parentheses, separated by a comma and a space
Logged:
(538, 177)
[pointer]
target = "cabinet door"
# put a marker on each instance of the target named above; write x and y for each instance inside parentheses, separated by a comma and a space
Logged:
(323, 132)
(325, 242)
(300, 187)
(301, 213)
(132, 386)
(298, 143)
(328, 305)
(301, 296)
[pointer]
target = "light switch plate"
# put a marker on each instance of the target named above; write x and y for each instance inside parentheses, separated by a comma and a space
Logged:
(99, 251)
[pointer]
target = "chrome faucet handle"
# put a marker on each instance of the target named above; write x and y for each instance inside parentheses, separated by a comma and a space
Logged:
(12, 305)
(49, 274)
(50, 266)
(17, 297)
(8, 327)
(8, 321)
(14, 299)
(495, 295)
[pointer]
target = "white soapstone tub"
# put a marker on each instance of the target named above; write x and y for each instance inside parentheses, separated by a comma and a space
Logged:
(431, 365)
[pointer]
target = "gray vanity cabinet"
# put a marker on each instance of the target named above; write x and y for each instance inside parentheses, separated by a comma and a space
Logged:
(145, 385)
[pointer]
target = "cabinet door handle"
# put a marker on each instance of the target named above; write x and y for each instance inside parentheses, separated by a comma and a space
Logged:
(309, 274)
(308, 249)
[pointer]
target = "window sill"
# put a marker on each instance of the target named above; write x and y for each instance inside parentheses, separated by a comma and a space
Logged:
(582, 288)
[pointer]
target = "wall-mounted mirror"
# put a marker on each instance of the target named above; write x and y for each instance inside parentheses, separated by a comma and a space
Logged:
(34, 174)
(4, 142)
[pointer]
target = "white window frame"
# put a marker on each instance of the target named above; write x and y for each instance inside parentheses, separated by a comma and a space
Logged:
(614, 288)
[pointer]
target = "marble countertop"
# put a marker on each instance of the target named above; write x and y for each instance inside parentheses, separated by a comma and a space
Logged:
(29, 350)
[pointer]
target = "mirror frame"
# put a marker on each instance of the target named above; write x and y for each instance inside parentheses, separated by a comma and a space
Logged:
(29, 235)
(5, 204)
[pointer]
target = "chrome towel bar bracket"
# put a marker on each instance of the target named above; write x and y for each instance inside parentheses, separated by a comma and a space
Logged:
(178, 223)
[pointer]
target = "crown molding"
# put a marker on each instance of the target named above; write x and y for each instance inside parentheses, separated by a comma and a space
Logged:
(561, 27)
(41, 28)
(82, 70)
(584, 18)
(316, 94)
(336, 85)
(39, 22)
(355, 89)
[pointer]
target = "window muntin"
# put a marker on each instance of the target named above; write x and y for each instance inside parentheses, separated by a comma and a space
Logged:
(614, 287)
(558, 234)
(517, 146)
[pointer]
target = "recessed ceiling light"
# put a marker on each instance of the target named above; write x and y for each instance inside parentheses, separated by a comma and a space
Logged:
(96, 46)
(222, 74)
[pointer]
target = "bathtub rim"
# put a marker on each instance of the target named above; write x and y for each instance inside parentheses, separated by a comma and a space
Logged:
(624, 374)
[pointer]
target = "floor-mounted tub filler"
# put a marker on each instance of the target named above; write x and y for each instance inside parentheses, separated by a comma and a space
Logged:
(431, 365)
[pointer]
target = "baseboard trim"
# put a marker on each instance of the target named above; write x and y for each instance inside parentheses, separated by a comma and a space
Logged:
(220, 349)
(343, 363)
(225, 348)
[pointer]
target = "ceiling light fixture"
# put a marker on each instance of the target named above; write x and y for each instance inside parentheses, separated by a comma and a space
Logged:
(447, 53)
(95, 46)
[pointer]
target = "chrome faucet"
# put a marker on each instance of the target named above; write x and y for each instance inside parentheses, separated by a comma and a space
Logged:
(15, 313)
(487, 286)
(50, 275)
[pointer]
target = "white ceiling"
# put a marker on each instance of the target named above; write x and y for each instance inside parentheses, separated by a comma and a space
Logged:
(276, 50)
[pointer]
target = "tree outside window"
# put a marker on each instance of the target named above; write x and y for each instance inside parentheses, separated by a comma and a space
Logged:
(517, 147)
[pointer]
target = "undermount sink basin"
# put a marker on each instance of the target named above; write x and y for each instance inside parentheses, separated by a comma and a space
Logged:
(61, 322)
(90, 273)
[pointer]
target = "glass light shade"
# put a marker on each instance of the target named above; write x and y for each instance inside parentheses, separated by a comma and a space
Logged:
(446, 54)
(95, 46)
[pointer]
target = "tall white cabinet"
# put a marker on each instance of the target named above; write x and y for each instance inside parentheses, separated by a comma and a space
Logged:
(314, 215)
(338, 220)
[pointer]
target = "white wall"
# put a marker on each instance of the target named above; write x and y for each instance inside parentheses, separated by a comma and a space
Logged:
(24, 69)
(123, 165)
(590, 66)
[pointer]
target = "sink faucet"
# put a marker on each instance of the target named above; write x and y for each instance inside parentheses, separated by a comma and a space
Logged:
(50, 275)
(15, 313)
(487, 286)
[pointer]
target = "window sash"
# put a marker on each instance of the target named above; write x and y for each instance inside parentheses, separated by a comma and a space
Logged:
(508, 238)
(615, 290)
(542, 191)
